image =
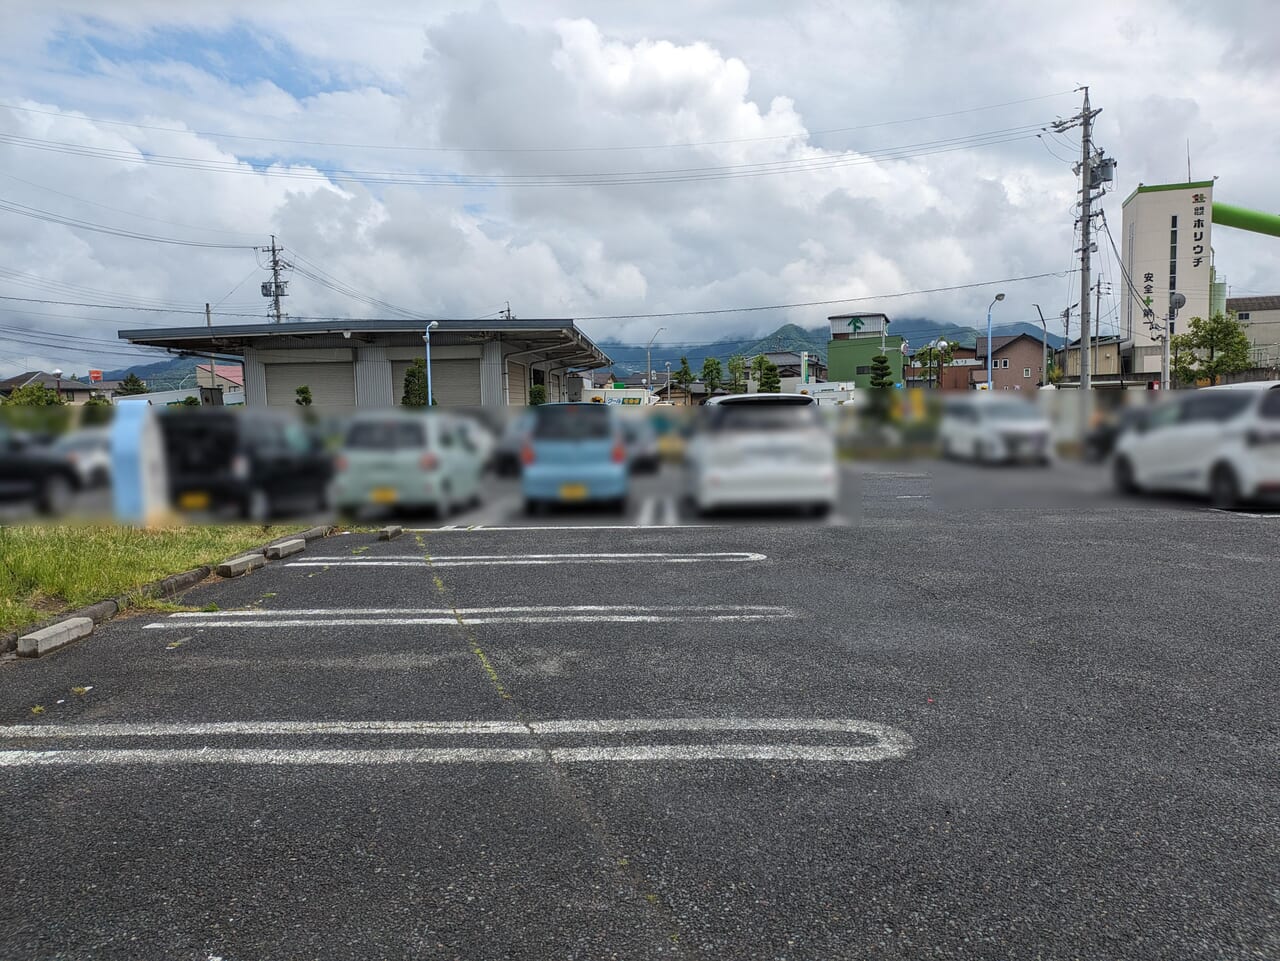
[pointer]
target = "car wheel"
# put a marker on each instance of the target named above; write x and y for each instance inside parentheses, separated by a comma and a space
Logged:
(1224, 488)
(55, 496)
(257, 506)
(101, 477)
(1122, 477)
(820, 510)
(534, 508)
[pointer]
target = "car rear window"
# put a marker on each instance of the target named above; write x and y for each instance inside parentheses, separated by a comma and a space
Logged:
(1270, 406)
(764, 417)
(385, 436)
(572, 422)
(199, 442)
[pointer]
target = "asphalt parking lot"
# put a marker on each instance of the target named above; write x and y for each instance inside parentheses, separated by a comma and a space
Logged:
(973, 714)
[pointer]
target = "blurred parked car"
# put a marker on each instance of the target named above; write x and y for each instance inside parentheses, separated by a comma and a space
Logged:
(506, 452)
(258, 464)
(642, 443)
(574, 453)
(766, 450)
(89, 453)
(1099, 442)
(408, 460)
(36, 472)
(994, 429)
(1219, 442)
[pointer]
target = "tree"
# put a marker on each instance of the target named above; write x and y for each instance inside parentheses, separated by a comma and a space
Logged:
(97, 411)
(770, 382)
(34, 394)
(684, 376)
(712, 374)
(759, 363)
(881, 372)
(737, 374)
(881, 382)
(190, 401)
(304, 396)
(537, 395)
(1182, 359)
(415, 385)
(131, 384)
(1210, 348)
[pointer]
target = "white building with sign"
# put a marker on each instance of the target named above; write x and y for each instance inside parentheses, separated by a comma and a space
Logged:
(1166, 246)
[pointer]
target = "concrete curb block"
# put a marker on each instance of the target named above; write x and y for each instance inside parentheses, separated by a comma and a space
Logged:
(285, 548)
(49, 639)
(236, 566)
(309, 535)
(390, 532)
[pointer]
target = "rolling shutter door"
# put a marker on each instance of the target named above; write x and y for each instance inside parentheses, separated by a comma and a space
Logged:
(517, 385)
(456, 383)
(332, 385)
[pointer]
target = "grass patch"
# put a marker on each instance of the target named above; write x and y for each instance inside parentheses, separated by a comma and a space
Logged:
(45, 570)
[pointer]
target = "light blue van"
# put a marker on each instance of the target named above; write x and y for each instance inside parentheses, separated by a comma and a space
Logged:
(572, 454)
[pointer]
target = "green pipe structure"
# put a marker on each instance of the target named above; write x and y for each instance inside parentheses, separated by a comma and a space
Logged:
(1226, 215)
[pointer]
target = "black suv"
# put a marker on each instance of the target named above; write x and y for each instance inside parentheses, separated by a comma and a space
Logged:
(33, 471)
(258, 463)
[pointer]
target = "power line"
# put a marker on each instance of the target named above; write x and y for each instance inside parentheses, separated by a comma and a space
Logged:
(529, 149)
(36, 214)
(819, 303)
(610, 178)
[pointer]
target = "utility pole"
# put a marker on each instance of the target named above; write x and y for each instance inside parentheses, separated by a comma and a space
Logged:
(208, 322)
(1094, 170)
(275, 289)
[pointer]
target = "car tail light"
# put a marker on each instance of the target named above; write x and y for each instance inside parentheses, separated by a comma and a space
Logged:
(240, 467)
(619, 453)
(526, 454)
(429, 462)
(340, 463)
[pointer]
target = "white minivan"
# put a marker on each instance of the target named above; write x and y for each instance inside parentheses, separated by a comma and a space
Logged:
(1219, 442)
(994, 429)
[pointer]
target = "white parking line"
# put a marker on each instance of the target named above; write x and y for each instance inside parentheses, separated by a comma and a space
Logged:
(554, 527)
(887, 742)
(500, 619)
(388, 617)
(477, 560)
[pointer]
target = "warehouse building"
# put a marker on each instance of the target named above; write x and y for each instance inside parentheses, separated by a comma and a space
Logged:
(362, 363)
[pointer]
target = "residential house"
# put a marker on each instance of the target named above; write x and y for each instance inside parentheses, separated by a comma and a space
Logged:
(1017, 363)
(72, 391)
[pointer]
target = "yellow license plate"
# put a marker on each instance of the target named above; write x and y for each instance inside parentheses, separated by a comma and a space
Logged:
(194, 501)
(384, 495)
(573, 492)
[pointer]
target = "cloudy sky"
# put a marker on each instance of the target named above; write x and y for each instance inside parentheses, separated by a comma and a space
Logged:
(598, 159)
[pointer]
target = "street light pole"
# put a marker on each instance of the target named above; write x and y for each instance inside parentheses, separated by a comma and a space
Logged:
(1176, 302)
(990, 383)
(427, 337)
(1044, 348)
(57, 379)
(668, 382)
(648, 356)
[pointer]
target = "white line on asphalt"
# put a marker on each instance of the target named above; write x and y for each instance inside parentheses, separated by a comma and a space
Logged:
(233, 728)
(566, 527)
(889, 742)
(575, 609)
(451, 755)
(911, 497)
(603, 618)
(647, 510)
(585, 726)
(477, 560)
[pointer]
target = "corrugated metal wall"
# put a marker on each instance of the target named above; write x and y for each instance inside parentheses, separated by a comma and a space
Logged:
(374, 384)
(255, 380)
(491, 374)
